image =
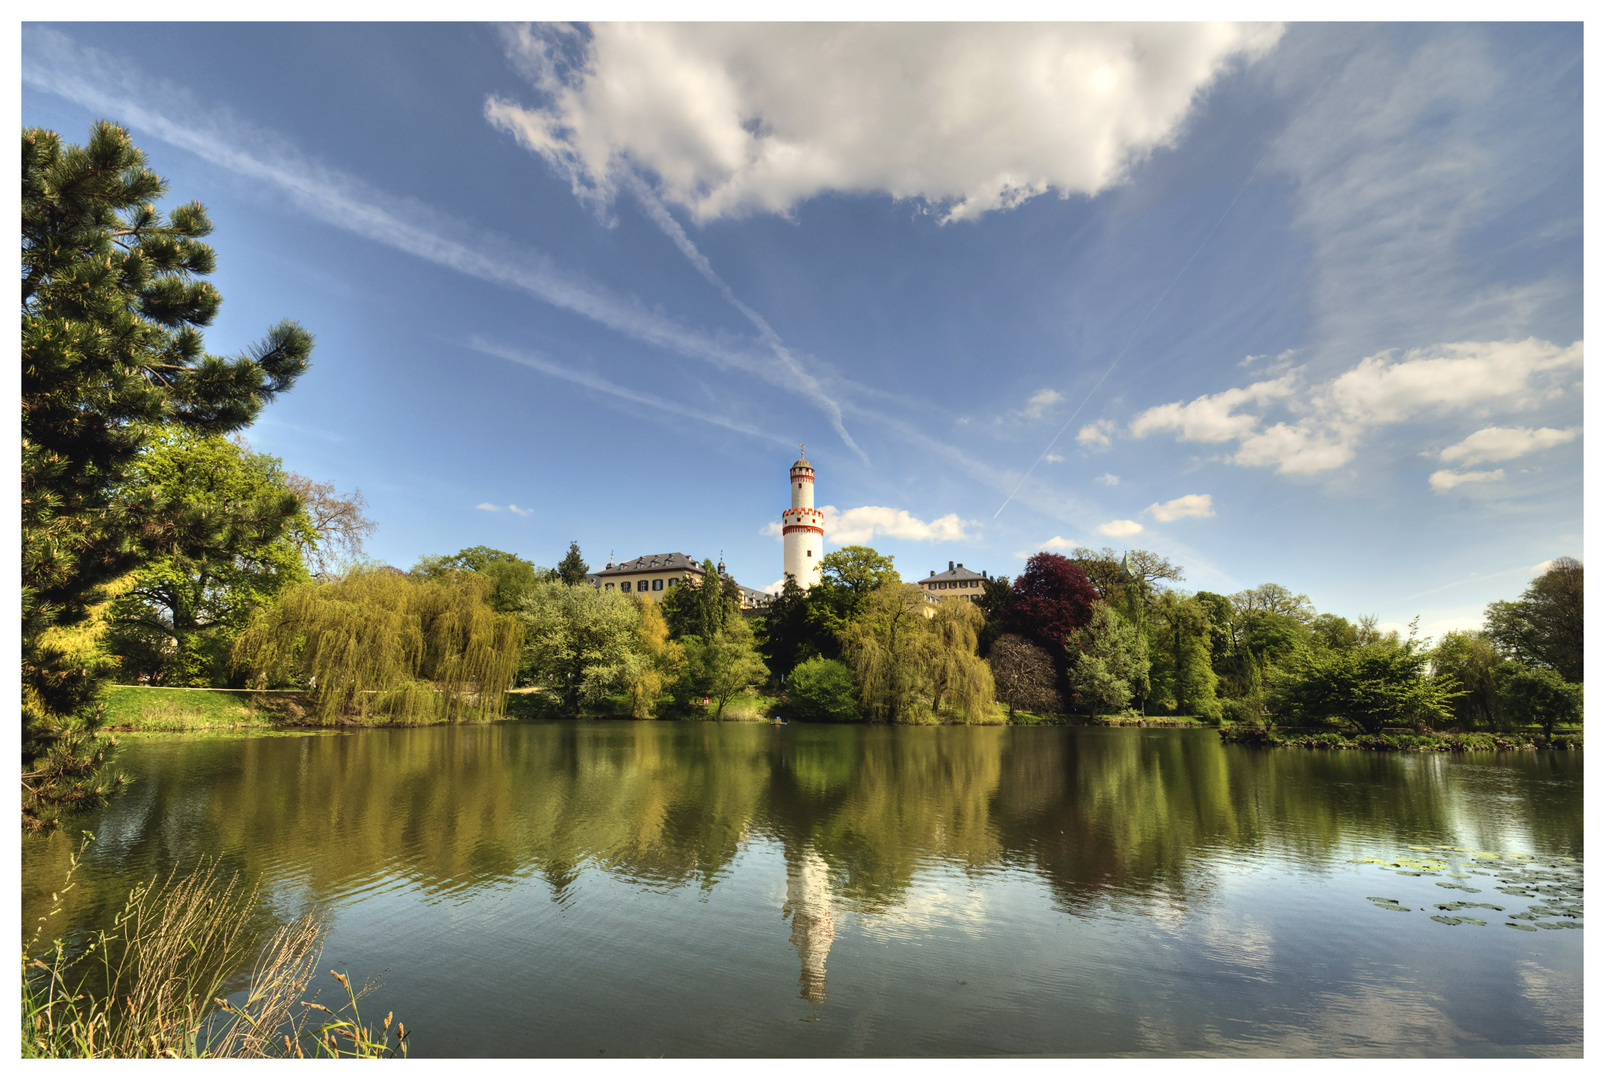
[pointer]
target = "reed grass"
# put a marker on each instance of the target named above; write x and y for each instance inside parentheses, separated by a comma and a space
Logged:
(152, 986)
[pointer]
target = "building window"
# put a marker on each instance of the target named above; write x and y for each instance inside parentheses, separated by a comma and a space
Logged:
(810, 553)
(624, 586)
(673, 582)
(641, 586)
(608, 587)
(657, 584)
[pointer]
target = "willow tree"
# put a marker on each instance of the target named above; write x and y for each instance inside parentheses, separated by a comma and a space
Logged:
(955, 670)
(887, 647)
(373, 642)
(662, 660)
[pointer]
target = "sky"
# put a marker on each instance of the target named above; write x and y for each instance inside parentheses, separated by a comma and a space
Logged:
(1284, 303)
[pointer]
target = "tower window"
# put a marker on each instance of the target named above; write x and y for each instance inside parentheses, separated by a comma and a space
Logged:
(810, 553)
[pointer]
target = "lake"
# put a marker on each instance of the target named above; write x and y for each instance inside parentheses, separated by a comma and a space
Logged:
(588, 889)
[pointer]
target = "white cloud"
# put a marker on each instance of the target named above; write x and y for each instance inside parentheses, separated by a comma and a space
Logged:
(1040, 401)
(1502, 444)
(1096, 433)
(861, 524)
(1109, 480)
(487, 506)
(1120, 528)
(1212, 417)
(1053, 459)
(107, 86)
(740, 118)
(1476, 377)
(521, 511)
(1448, 479)
(1185, 507)
(1059, 544)
(1462, 375)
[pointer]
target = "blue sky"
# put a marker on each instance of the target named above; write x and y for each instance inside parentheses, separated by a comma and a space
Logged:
(1288, 303)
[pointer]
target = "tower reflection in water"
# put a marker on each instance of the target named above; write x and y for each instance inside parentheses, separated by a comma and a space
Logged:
(813, 924)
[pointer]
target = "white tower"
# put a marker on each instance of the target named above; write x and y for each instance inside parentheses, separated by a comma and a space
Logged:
(803, 527)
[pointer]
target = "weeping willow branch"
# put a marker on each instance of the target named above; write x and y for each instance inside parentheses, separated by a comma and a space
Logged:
(374, 642)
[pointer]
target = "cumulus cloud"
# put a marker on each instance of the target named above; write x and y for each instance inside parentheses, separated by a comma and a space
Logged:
(1096, 434)
(487, 506)
(1476, 377)
(1185, 507)
(1053, 459)
(521, 511)
(1108, 480)
(1212, 417)
(1040, 401)
(1448, 479)
(1502, 444)
(861, 524)
(1120, 528)
(741, 118)
(1057, 544)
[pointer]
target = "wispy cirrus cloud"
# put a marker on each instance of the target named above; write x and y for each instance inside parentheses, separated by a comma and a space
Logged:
(1448, 479)
(53, 62)
(534, 362)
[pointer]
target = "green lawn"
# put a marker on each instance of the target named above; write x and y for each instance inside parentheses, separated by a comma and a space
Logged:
(150, 708)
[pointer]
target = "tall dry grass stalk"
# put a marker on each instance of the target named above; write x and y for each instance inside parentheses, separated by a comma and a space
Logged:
(153, 985)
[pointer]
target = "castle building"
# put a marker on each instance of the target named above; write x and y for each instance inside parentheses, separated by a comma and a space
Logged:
(655, 575)
(802, 528)
(955, 581)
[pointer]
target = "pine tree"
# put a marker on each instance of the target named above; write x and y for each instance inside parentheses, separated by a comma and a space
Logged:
(113, 299)
(573, 568)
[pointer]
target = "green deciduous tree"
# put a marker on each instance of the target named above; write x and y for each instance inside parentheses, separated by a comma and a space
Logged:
(1109, 668)
(114, 297)
(1545, 627)
(512, 576)
(661, 660)
(376, 643)
(723, 665)
(1475, 668)
(821, 689)
(886, 648)
(1540, 696)
(176, 626)
(580, 643)
(1373, 686)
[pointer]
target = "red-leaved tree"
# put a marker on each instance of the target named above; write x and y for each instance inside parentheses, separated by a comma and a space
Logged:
(1050, 601)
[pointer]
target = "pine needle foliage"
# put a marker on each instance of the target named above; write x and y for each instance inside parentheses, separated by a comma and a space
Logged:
(375, 643)
(114, 297)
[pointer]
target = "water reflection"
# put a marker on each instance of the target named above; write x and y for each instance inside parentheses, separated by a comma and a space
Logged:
(1105, 821)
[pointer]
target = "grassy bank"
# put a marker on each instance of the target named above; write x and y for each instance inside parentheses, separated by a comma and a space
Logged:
(1399, 742)
(151, 708)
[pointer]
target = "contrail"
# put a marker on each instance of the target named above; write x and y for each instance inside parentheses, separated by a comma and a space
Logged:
(664, 220)
(1155, 306)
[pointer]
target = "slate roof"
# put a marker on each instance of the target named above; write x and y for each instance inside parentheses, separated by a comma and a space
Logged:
(671, 560)
(954, 572)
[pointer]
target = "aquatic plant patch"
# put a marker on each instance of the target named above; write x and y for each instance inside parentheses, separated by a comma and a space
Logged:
(1556, 882)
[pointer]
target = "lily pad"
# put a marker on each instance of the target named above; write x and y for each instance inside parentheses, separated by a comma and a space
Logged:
(1460, 905)
(1392, 907)
(1455, 885)
(1456, 920)
(1560, 924)
(1521, 926)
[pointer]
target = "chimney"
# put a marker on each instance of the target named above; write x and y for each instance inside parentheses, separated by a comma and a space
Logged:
(950, 566)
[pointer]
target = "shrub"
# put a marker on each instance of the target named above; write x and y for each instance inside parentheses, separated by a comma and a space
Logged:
(821, 689)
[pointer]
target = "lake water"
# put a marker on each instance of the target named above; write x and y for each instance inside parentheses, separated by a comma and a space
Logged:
(706, 890)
